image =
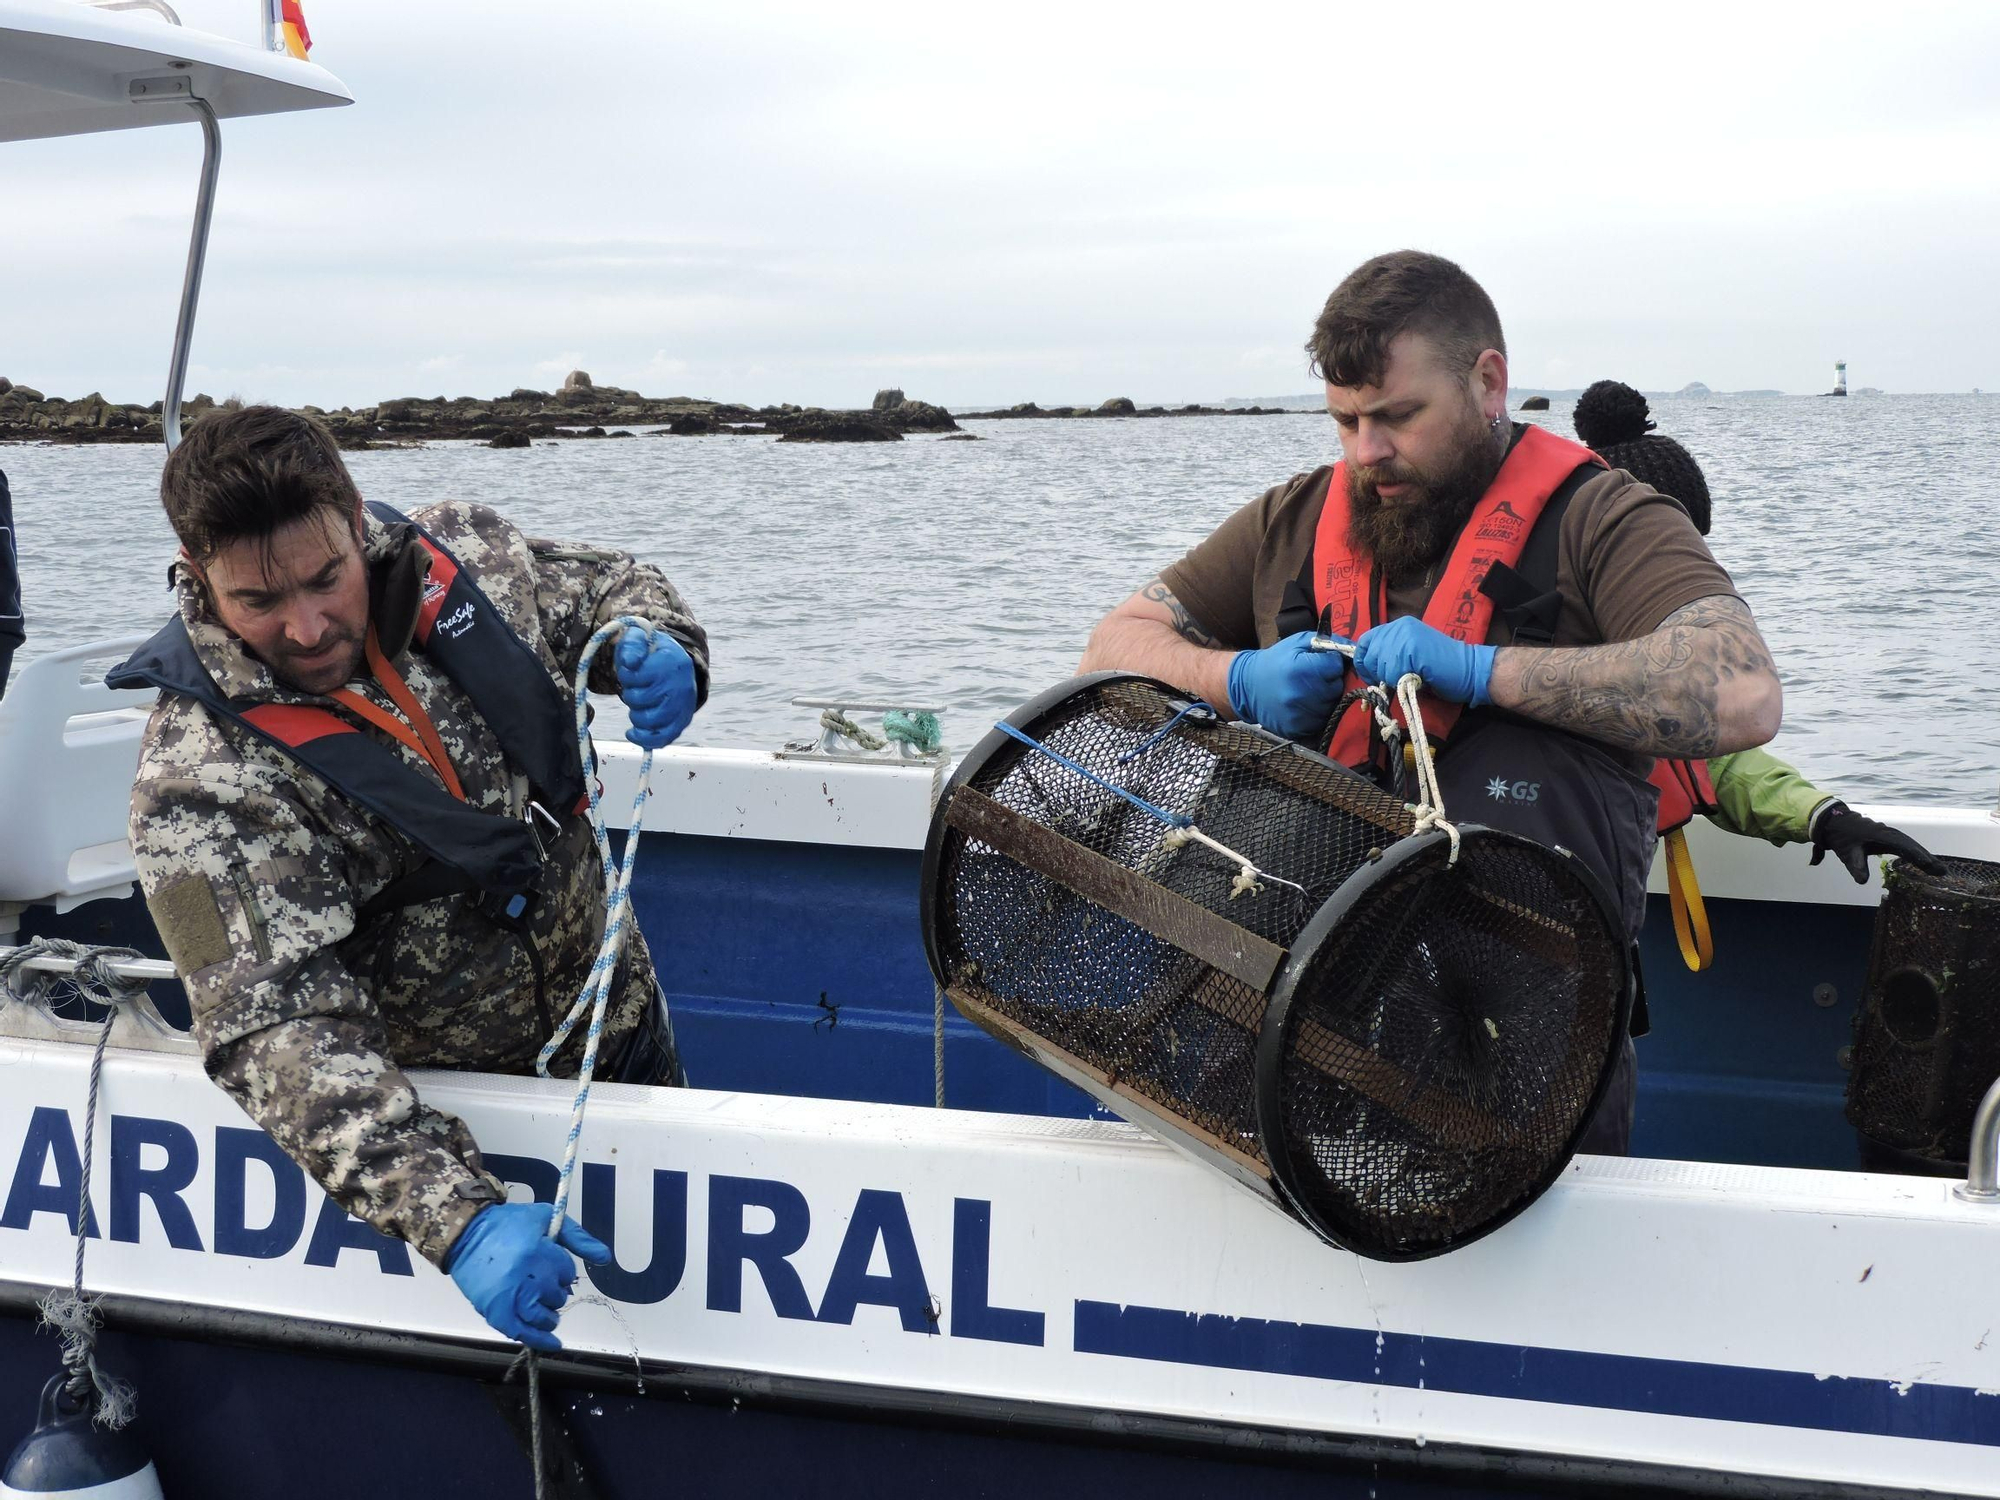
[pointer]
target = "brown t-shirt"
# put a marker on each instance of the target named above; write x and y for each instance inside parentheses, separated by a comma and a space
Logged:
(1627, 557)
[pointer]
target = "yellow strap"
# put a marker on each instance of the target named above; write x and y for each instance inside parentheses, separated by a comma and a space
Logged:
(1690, 913)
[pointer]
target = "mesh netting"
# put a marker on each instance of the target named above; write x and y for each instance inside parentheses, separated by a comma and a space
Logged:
(1439, 1052)
(1927, 1035)
(1059, 918)
(1134, 1008)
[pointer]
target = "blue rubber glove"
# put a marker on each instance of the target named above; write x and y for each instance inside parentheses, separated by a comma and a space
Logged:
(1453, 670)
(656, 680)
(519, 1278)
(1288, 688)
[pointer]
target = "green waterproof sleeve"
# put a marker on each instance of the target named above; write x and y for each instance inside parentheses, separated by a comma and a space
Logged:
(1763, 797)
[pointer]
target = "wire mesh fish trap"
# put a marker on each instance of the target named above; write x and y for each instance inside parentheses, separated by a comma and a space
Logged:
(1398, 1047)
(1927, 1034)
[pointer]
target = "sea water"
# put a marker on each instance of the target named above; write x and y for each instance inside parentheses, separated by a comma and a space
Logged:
(967, 575)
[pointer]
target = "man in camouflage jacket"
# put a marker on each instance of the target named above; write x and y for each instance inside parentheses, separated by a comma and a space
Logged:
(256, 872)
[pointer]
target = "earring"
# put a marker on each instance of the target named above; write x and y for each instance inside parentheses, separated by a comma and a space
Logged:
(1497, 417)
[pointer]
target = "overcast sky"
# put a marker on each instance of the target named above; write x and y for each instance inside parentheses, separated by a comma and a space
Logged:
(1000, 203)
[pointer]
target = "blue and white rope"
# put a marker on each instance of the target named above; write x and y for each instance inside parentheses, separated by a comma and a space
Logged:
(596, 994)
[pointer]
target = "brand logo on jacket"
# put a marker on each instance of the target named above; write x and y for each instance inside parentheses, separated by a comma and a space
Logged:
(1338, 596)
(457, 622)
(1500, 789)
(1503, 525)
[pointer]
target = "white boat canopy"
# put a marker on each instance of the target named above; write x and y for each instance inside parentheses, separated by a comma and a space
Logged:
(73, 69)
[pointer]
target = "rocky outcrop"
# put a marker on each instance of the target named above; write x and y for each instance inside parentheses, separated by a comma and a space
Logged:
(888, 400)
(1535, 403)
(838, 427)
(919, 416)
(26, 414)
(514, 439)
(1118, 406)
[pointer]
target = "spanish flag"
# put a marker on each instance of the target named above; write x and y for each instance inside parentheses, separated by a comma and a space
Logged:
(298, 40)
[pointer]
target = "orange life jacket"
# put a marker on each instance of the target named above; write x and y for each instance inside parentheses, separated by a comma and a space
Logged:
(458, 628)
(1685, 789)
(1352, 600)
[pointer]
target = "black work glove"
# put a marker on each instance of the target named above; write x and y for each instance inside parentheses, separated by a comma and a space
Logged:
(1850, 838)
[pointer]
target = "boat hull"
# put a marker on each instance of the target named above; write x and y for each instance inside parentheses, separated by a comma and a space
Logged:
(1056, 1282)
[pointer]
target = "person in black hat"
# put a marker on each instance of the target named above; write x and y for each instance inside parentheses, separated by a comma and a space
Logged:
(1612, 420)
(1759, 795)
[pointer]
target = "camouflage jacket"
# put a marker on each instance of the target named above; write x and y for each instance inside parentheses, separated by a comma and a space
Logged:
(255, 872)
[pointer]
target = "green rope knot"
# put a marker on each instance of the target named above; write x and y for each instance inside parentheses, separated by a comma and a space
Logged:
(918, 730)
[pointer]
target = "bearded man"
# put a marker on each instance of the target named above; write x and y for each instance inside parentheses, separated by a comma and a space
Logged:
(1422, 549)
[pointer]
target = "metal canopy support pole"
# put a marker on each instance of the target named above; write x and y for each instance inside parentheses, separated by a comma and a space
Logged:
(204, 208)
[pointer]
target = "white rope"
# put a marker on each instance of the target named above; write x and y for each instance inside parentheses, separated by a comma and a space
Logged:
(1430, 797)
(1249, 879)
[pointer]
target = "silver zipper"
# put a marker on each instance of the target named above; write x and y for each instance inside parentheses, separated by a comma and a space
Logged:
(260, 929)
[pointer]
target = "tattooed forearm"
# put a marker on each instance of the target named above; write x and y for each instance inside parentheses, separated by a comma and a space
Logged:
(1152, 632)
(1702, 684)
(1186, 626)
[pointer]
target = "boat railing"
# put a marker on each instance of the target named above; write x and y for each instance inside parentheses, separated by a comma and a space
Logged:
(31, 1011)
(1982, 1162)
(148, 969)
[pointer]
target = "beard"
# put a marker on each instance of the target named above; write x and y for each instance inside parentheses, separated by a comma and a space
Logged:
(1410, 533)
(334, 664)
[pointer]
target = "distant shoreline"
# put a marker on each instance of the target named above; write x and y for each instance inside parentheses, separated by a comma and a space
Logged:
(580, 409)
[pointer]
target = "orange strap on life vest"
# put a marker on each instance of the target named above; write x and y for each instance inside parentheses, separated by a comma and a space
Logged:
(1496, 531)
(420, 734)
